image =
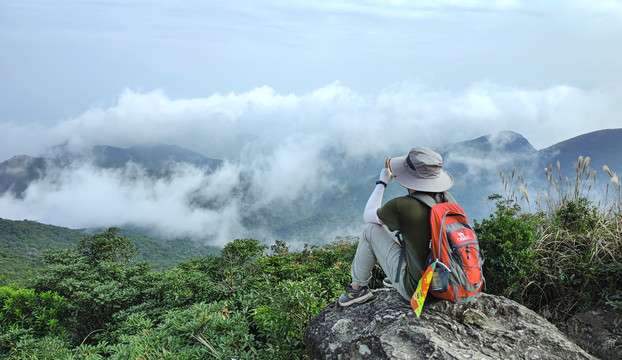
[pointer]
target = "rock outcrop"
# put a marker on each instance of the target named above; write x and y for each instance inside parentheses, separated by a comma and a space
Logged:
(489, 327)
(599, 330)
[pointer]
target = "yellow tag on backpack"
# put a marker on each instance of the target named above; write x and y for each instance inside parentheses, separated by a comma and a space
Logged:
(422, 289)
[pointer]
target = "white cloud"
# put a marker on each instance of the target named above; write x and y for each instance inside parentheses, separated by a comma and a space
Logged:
(85, 196)
(261, 122)
(281, 148)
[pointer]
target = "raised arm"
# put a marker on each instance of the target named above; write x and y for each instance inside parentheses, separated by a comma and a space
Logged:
(375, 199)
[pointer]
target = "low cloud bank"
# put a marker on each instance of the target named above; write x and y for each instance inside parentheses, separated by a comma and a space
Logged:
(277, 148)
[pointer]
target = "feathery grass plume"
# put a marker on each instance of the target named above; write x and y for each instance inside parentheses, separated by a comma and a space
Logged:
(615, 180)
(580, 167)
(616, 204)
(523, 190)
(210, 348)
(511, 184)
(578, 164)
(505, 182)
(586, 163)
(572, 189)
(607, 170)
(547, 199)
(549, 174)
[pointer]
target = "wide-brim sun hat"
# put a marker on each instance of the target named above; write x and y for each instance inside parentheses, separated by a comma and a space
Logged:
(421, 170)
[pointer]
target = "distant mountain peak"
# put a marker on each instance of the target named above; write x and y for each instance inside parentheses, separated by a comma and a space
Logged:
(506, 136)
(156, 158)
(602, 146)
(17, 173)
(501, 142)
(511, 141)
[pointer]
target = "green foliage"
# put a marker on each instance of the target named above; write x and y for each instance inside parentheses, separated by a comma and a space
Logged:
(506, 240)
(96, 280)
(26, 316)
(559, 264)
(563, 259)
(281, 313)
(578, 216)
(198, 331)
(23, 243)
(107, 246)
(270, 297)
(49, 347)
(242, 303)
(579, 253)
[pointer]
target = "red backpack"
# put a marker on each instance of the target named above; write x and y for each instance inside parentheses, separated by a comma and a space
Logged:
(458, 273)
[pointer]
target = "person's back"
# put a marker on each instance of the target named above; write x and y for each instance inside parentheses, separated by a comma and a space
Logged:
(412, 219)
(419, 171)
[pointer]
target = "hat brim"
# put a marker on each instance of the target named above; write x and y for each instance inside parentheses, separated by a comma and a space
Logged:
(442, 183)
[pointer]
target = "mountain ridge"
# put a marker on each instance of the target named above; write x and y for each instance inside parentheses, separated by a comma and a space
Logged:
(19, 171)
(476, 165)
(602, 146)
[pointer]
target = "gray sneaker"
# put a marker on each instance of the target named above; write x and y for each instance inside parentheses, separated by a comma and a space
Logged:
(387, 282)
(355, 296)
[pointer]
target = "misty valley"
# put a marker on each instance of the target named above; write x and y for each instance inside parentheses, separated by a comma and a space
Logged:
(168, 192)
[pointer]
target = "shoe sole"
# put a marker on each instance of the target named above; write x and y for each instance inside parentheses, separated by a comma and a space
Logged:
(389, 285)
(359, 299)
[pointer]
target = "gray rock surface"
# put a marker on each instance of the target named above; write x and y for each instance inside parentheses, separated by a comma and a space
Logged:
(490, 327)
(599, 330)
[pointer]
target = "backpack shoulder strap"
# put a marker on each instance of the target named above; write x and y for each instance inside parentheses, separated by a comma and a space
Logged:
(430, 201)
(449, 198)
(425, 198)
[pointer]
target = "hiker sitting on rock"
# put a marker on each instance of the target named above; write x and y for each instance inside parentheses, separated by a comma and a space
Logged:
(419, 171)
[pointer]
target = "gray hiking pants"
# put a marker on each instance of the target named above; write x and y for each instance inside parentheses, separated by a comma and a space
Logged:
(377, 244)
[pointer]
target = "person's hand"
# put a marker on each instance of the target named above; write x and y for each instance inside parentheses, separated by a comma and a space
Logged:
(387, 164)
(385, 174)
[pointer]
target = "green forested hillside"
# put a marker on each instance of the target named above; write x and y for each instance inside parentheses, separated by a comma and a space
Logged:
(22, 244)
(92, 302)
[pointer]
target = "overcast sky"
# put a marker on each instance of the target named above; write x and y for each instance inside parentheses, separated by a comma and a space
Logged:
(527, 66)
(272, 81)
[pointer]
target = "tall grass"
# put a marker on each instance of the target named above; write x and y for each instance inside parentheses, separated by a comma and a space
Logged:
(576, 255)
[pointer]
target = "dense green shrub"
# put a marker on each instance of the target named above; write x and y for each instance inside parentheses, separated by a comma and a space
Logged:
(577, 216)
(243, 303)
(280, 313)
(97, 281)
(48, 347)
(506, 240)
(27, 317)
(201, 330)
